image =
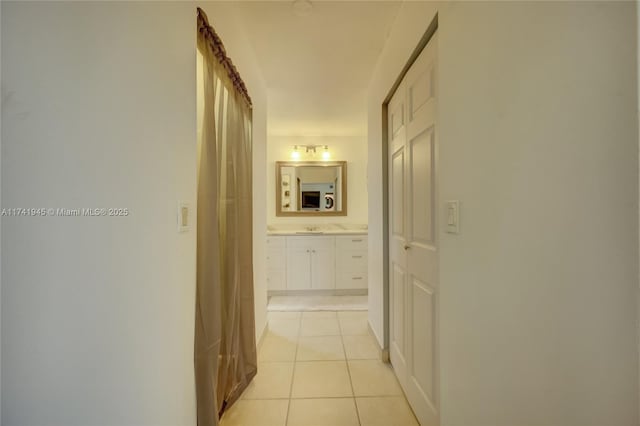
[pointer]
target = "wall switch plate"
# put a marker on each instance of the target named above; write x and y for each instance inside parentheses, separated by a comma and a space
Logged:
(184, 219)
(452, 216)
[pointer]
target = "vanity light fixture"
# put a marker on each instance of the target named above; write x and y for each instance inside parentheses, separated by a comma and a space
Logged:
(310, 150)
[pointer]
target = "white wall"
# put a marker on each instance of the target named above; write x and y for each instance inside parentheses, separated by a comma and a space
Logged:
(351, 149)
(539, 142)
(223, 17)
(98, 312)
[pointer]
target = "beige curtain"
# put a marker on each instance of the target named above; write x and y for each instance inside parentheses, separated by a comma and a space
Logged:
(225, 347)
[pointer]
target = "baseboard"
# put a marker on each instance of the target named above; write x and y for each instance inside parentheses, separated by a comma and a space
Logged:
(384, 352)
(262, 335)
(386, 357)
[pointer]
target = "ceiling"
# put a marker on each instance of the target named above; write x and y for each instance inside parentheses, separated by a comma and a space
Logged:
(317, 67)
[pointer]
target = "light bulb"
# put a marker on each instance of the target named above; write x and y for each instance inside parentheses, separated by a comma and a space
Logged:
(325, 153)
(295, 154)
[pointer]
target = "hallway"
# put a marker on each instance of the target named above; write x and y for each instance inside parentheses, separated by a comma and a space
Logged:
(320, 369)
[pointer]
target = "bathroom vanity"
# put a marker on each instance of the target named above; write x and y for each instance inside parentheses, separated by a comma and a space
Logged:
(308, 259)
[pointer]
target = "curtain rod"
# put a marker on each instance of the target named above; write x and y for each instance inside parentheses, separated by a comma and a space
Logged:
(221, 54)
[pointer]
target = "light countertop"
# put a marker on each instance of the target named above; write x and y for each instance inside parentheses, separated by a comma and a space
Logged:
(330, 229)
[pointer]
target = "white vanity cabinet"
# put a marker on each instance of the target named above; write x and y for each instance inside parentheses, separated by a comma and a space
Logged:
(316, 262)
(311, 261)
(351, 262)
(276, 263)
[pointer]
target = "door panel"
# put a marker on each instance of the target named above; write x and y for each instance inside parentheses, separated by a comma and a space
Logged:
(423, 339)
(396, 118)
(413, 237)
(398, 301)
(397, 338)
(421, 183)
(421, 91)
(397, 193)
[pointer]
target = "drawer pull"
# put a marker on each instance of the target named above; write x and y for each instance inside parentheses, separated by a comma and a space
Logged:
(356, 278)
(356, 241)
(357, 257)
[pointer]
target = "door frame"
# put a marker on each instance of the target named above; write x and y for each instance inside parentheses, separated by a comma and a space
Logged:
(426, 37)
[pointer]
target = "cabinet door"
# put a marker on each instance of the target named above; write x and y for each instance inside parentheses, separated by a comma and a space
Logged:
(276, 258)
(275, 279)
(323, 269)
(298, 268)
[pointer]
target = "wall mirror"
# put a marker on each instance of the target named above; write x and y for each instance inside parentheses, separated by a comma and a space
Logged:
(311, 188)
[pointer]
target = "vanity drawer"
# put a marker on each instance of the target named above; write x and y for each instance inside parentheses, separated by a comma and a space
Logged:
(350, 281)
(276, 242)
(351, 261)
(352, 242)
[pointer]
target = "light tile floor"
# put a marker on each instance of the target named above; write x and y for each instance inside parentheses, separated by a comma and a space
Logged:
(320, 369)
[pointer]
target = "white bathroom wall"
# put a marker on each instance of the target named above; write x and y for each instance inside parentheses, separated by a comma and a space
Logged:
(98, 110)
(223, 17)
(351, 149)
(538, 133)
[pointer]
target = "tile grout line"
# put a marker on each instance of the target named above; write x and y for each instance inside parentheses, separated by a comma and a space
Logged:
(341, 330)
(346, 360)
(293, 373)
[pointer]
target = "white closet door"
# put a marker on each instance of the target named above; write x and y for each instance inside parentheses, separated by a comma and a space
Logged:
(397, 239)
(413, 251)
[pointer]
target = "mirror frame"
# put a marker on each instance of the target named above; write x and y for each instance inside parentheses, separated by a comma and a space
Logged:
(280, 164)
